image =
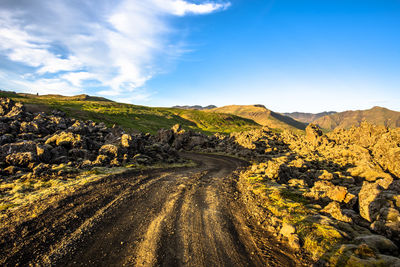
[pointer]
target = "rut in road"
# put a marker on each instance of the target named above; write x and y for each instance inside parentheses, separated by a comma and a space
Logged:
(185, 217)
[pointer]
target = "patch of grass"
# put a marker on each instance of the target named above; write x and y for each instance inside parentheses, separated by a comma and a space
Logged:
(10, 94)
(318, 238)
(217, 122)
(294, 195)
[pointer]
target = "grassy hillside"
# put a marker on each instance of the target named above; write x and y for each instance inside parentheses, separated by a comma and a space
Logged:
(262, 116)
(376, 116)
(132, 117)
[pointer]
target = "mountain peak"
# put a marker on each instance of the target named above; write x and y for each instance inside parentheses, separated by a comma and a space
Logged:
(378, 108)
(263, 116)
(259, 106)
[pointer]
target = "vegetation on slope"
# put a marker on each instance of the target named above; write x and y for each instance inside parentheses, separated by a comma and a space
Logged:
(308, 117)
(132, 118)
(347, 119)
(262, 116)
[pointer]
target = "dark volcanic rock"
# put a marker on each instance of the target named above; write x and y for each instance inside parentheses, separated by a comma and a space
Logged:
(28, 139)
(21, 159)
(43, 151)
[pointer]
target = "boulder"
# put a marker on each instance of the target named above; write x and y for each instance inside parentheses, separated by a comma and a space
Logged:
(4, 128)
(59, 122)
(8, 149)
(43, 152)
(29, 127)
(6, 138)
(336, 212)
(109, 150)
(11, 170)
(325, 189)
(196, 141)
(78, 153)
(58, 151)
(126, 141)
(388, 223)
(65, 139)
(313, 134)
(180, 140)
(165, 136)
(41, 170)
(21, 159)
(78, 127)
(370, 200)
(287, 229)
(325, 175)
(379, 243)
(101, 160)
(16, 112)
(6, 105)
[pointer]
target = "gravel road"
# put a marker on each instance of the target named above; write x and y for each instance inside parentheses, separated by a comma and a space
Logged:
(173, 217)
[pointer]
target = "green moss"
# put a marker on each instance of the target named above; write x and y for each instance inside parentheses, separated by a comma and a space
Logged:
(318, 238)
(6, 206)
(291, 207)
(294, 195)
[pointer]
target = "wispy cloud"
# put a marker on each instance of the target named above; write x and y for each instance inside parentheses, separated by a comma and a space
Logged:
(64, 46)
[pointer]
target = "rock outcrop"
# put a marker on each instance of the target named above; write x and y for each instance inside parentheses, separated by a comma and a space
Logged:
(35, 144)
(349, 179)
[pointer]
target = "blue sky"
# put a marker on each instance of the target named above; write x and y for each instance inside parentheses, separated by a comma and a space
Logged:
(289, 55)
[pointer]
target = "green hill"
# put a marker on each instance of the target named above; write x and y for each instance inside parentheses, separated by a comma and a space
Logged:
(132, 117)
(262, 116)
(375, 115)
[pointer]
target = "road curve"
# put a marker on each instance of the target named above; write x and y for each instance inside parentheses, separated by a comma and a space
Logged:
(181, 217)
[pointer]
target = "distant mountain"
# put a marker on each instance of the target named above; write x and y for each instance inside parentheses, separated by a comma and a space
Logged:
(196, 107)
(346, 119)
(262, 116)
(308, 117)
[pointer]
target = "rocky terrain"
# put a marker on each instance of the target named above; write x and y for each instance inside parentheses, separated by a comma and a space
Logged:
(37, 145)
(335, 196)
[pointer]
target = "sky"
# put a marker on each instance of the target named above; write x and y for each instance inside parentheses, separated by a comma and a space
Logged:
(289, 55)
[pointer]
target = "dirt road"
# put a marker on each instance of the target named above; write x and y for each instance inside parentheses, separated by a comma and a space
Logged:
(181, 217)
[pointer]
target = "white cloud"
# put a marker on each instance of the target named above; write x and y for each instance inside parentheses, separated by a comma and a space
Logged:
(181, 8)
(48, 86)
(116, 43)
(77, 78)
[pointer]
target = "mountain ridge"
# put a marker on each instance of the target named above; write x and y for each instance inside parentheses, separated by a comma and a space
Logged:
(195, 107)
(346, 119)
(307, 117)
